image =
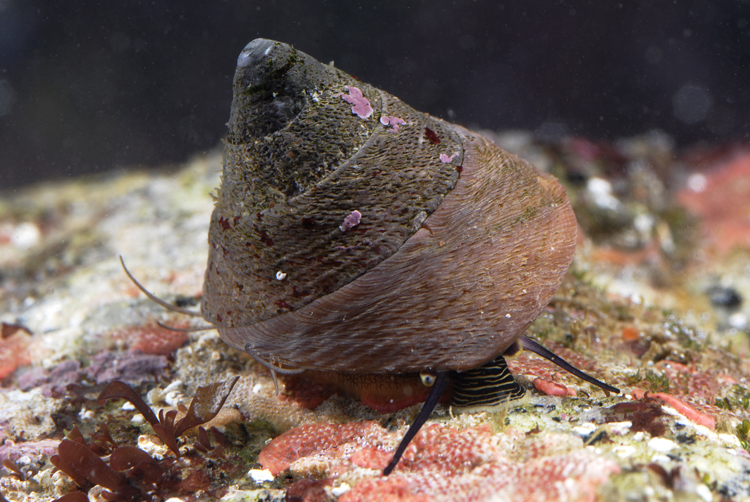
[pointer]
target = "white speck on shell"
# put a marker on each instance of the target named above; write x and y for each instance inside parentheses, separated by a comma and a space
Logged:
(26, 235)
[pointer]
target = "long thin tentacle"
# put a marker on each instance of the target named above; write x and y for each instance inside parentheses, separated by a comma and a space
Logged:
(156, 299)
(254, 354)
(273, 369)
(537, 348)
(438, 388)
(186, 330)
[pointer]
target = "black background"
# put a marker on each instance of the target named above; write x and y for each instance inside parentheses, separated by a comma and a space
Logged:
(87, 86)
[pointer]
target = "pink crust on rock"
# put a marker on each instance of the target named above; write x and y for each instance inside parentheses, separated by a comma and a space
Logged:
(319, 440)
(682, 407)
(350, 221)
(533, 366)
(445, 159)
(151, 338)
(361, 108)
(14, 352)
(443, 463)
(552, 388)
(392, 121)
(722, 201)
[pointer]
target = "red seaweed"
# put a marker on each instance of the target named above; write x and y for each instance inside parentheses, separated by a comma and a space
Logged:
(89, 464)
(431, 136)
(206, 404)
(132, 474)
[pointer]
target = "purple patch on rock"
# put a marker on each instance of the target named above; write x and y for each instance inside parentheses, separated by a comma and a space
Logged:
(35, 450)
(361, 108)
(131, 367)
(52, 383)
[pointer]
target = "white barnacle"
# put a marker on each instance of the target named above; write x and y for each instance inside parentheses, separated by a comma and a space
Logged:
(280, 276)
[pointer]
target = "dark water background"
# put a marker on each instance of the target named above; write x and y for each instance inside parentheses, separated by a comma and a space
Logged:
(88, 86)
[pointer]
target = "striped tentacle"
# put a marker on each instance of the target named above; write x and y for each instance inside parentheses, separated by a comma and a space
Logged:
(488, 385)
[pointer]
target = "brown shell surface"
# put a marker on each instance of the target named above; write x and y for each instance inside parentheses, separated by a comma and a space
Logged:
(297, 162)
(459, 291)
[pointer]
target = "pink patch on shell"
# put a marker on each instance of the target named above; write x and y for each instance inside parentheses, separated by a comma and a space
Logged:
(350, 221)
(392, 121)
(361, 108)
(445, 159)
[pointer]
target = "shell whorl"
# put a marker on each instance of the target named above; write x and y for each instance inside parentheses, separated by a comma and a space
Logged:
(398, 292)
(297, 162)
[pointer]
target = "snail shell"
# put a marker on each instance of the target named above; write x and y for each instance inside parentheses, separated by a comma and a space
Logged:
(362, 242)
(345, 240)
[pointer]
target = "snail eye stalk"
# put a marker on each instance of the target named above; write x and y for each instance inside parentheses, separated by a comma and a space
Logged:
(428, 379)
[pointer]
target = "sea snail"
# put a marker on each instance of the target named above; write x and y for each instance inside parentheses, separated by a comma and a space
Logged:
(355, 236)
